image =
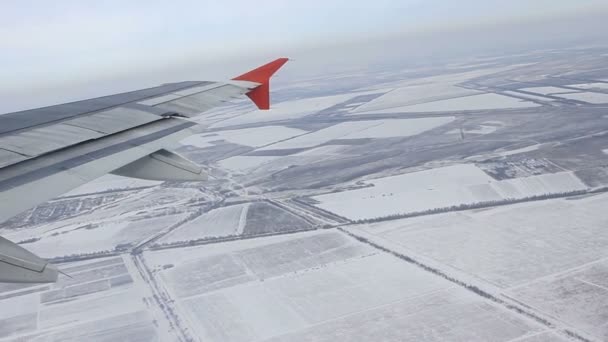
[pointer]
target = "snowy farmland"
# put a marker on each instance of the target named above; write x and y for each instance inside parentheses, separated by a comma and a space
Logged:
(323, 286)
(266, 248)
(411, 95)
(100, 302)
(219, 222)
(94, 237)
(363, 129)
(291, 109)
(114, 225)
(593, 98)
(549, 255)
(591, 86)
(464, 103)
(254, 137)
(245, 163)
(548, 90)
(440, 188)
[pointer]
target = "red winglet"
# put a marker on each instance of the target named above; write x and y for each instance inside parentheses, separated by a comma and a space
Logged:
(261, 95)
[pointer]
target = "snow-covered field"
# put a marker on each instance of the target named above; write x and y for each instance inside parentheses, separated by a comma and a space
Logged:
(579, 297)
(548, 90)
(591, 86)
(254, 137)
(323, 286)
(530, 97)
(484, 128)
(551, 255)
(245, 163)
(117, 224)
(440, 188)
(411, 95)
(291, 109)
(472, 102)
(363, 129)
(593, 98)
(101, 302)
(92, 237)
(215, 223)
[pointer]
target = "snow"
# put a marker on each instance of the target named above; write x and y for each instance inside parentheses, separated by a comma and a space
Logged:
(520, 150)
(528, 96)
(484, 128)
(328, 150)
(88, 236)
(440, 188)
(363, 129)
(110, 182)
(549, 255)
(591, 86)
(508, 246)
(413, 95)
(579, 297)
(254, 137)
(215, 223)
(306, 287)
(245, 163)
(548, 90)
(91, 305)
(593, 98)
(283, 163)
(474, 102)
(291, 109)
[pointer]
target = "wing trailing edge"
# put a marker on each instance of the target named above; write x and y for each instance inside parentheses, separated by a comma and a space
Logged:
(17, 265)
(163, 165)
(261, 94)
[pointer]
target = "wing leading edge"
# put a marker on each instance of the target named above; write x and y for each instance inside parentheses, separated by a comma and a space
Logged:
(48, 151)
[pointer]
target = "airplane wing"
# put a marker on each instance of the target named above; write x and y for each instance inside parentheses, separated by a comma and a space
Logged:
(48, 151)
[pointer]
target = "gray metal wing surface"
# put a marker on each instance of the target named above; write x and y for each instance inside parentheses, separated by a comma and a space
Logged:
(48, 151)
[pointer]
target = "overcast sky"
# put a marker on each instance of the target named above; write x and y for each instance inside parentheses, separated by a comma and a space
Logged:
(51, 45)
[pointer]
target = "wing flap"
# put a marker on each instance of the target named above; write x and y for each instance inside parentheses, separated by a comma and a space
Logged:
(195, 101)
(17, 265)
(9, 157)
(39, 141)
(114, 120)
(163, 165)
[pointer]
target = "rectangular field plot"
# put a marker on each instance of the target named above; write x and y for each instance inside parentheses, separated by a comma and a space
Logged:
(363, 129)
(412, 95)
(548, 90)
(245, 163)
(464, 103)
(132, 327)
(593, 98)
(264, 218)
(99, 302)
(507, 246)
(99, 236)
(323, 286)
(254, 137)
(219, 222)
(579, 298)
(440, 188)
(448, 315)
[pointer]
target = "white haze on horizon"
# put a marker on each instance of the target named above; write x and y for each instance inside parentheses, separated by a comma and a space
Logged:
(65, 50)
